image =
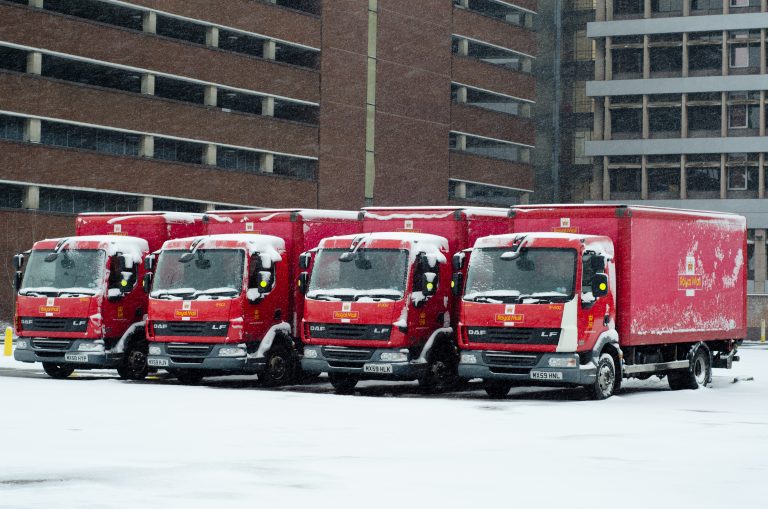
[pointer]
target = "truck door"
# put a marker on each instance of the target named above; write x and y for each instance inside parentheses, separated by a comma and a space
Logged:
(595, 313)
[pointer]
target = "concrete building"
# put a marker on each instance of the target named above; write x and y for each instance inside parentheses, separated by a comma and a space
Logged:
(110, 105)
(679, 112)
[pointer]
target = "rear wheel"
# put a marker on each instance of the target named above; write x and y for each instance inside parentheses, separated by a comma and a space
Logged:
(442, 370)
(605, 381)
(189, 377)
(134, 366)
(58, 371)
(281, 367)
(697, 375)
(496, 389)
(343, 383)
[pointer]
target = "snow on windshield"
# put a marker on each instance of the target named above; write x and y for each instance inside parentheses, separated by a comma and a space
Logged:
(537, 274)
(372, 273)
(74, 271)
(214, 271)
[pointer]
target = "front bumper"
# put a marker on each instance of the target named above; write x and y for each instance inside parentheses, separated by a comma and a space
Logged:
(364, 363)
(525, 368)
(66, 351)
(203, 356)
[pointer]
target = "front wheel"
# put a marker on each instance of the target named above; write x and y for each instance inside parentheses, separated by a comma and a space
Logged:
(281, 367)
(134, 366)
(497, 390)
(604, 385)
(58, 371)
(343, 383)
(442, 370)
(189, 377)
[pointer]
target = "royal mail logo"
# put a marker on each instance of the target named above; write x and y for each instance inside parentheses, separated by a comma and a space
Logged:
(346, 315)
(565, 226)
(690, 282)
(185, 313)
(408, 224)
(186, 305)
(50, 309)
(249, 227)
(118, 228)
(565, 222)
(346, 306)
(504, 318)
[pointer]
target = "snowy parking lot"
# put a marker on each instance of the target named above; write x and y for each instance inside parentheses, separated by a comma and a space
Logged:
(95, 441)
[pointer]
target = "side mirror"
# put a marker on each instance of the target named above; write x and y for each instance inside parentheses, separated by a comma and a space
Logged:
(302, 282)
(17, 281)
(458, 261)
(597, 263)
(457, 283)
(120, 262)
(146, 283)
(304, 260)
(18, 261)
(599, 285)
(423, 263)
(149, 263)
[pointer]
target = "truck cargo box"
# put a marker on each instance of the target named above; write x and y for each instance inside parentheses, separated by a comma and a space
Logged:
(154, 227)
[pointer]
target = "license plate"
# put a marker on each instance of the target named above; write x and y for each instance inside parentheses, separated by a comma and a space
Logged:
(75, 357)
(377, 368)
(157, 362)
(546, 375)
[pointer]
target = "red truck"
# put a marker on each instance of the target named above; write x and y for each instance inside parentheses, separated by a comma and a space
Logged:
(379, 305)
(79, 304)
(588, 295)
(226, 302)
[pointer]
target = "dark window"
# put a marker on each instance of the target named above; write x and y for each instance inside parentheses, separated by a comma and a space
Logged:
(703, 179)
(90, 74)
(491, 195)
(241, 43)
(666, 6)
(666, 59)
(297, 112)
(705, 58)
(74, 202)
(626, 120)
(88, 138)
(297, 56)
(303, 169)
(237, 101)
(176, 150)
(627, 60)
(713, 6)
(703, 118)
(625, 180)
(240, 160)
(176, 205)
(494, 55)
(310, 6)
(178, 90)
(98, 11)
(11, 128)
(180, 29)
(664, 120)
(11, 196)
(627, 7)
(489, 148)
(664, 181)
(490, 101)
(500, 11)
(13, 59)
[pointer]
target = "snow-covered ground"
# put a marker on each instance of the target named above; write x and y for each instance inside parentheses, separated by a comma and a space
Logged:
(94, 441)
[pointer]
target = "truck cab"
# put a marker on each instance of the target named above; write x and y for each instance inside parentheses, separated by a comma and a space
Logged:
(534, 308)
(78, 303)
(375, 304)
(218, 305)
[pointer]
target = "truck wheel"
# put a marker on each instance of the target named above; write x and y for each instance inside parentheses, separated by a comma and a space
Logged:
(134, 365)
(605, 381)
(58, 371)
(442, 370)
(281, 367)
(343, 383)
(697, 375)
(189, 377)
(496, 389)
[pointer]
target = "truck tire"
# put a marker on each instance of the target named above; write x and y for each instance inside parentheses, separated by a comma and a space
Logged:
(189, 377)
(497, 389)
(605, 382)
(58, 371)
(343, 383)
(442, 369)
(698, 373)
(281, 367)
(134, 365)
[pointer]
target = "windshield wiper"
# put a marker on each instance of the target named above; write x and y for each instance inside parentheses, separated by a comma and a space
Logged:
(542, 298)
(382, 295)
(213, 293)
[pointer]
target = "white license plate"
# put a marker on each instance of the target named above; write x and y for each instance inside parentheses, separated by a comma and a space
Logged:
(75, 357)
(157, 362)
(546, 375)
(377, 368)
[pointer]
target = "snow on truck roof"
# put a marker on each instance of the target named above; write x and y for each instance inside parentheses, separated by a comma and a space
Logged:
(254, 243)
(637, 208)
(508, 238)
(168, 217)
(432, 212)
(422, 240)
(259, 214)
(112, 244)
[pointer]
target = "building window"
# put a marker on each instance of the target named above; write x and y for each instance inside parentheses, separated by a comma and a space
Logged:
(580, 137)
(89, 138)
(625, 181)
(581, 102)
(102, 12)
(90, 74)
(627, 120)
(239, 160)
(743, 110)
(705, 51)
(178, 90)
(237, 101)
(241, 43)
(176, 205)
(627, 61)
(297, 112)
(485, 147)
(584, 47)
(499, 10)
(703, 179)
(666, 6)
(304, 169)
(743, 172)
(11, 128)
(492, 55)
(744, 48)
(177, 150)
(708, 6)
(480, 193)
(180, 29)
(664, 183)
(664, 120)
(583, 5)
(74, 202)
(11, 196)
(13, 59)
(490, 101)
(296, 55)
(627, 7)
(310, 6)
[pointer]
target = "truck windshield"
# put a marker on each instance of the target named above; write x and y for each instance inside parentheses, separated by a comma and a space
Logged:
(373, 274)
(211, 272)
(536, 275)
(73, 272)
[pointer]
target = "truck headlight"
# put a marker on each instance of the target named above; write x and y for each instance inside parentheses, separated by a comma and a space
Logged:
(468, 358)
(310, 353)
(234, 351)
(393, 356)
(21, 344)
(563, 362)
(90, 347)
(155, 350)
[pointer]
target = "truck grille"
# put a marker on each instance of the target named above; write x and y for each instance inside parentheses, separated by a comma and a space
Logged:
(190, 328)
(59, 345)
(187, 353)
(512, 335)
(35, 323)
(341, 357)
(349, 331)
(510, 364)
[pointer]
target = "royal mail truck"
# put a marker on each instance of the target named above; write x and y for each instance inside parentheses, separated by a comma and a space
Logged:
(588, 295)
(379, 305)
(79, 302)
(226, 302)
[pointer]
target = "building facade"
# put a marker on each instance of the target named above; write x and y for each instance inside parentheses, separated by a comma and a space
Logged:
(111, 105)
